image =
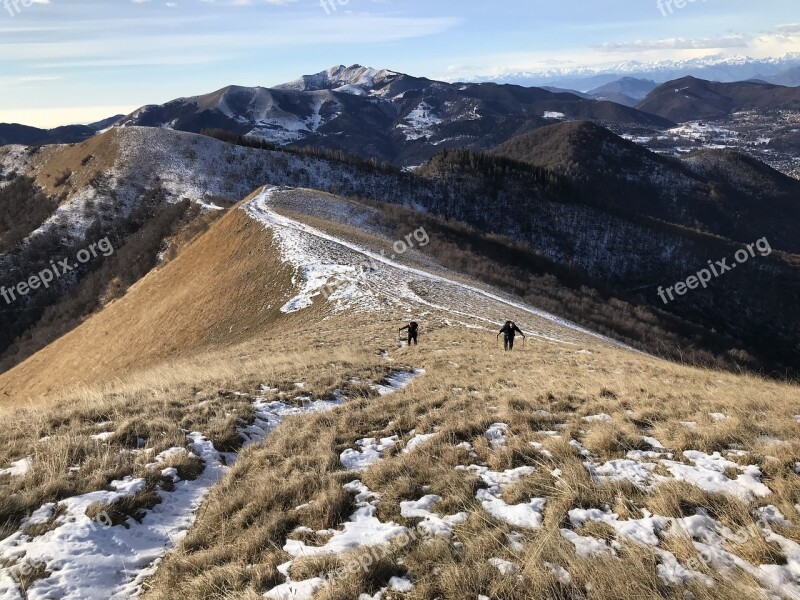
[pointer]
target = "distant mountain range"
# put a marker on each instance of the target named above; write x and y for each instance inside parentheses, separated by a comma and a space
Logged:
(402, 119)
(714, 68)
(383, 114)
(13, 133)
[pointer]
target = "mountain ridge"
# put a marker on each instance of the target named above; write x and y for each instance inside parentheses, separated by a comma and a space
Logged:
(691, 98)
(380, 113)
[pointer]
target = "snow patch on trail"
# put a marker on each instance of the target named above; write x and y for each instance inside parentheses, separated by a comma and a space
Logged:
(397, 381)
(88, 560)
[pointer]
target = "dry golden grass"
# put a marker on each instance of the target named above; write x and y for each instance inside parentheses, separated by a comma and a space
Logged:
(233, 549)
(213, 328)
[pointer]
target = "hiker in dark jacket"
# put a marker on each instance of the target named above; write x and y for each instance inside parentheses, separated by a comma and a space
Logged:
(510, 330)
(413, 332)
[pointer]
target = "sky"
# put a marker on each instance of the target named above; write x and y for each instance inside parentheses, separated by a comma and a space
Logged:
(78, 61)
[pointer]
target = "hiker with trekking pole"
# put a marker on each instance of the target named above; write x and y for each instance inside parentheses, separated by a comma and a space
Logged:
(413, 332)
(510, 330)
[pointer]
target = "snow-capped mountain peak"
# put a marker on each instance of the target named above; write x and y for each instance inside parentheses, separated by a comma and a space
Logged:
(356, 80)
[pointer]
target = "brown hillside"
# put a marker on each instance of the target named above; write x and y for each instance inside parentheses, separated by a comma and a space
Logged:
(60, 169)
(223, 288)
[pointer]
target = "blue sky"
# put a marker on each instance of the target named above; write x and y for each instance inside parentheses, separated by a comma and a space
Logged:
(65, 61)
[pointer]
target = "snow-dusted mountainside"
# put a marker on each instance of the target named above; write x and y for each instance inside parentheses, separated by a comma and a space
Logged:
(381, 114)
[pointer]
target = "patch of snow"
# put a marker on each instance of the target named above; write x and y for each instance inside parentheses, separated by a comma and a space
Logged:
(18, 468)
(563, 576)
(601, 417)
(708, 474)
(580, 448)
(397, 381)
(296, 590)
(432, 523)
(371, 452)
(96, 561)
(622, 470)
(587, 546)
(515, 539)
(505, 567)
(541, 449)
(420, 122)
(363, 528)
(772, 514)
(417, 440)
(643, 531)
(496, 434)
(526, 514)
(653, 442)
(672, 572)
(401, 584)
